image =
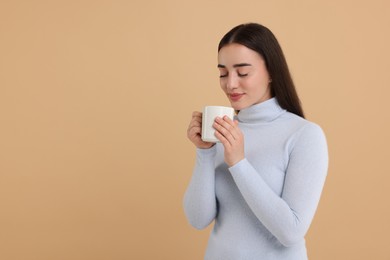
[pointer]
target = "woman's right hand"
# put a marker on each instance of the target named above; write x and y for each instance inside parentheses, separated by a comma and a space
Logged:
(194, 131)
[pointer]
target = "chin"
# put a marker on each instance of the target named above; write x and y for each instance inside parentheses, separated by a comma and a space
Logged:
(238, 107)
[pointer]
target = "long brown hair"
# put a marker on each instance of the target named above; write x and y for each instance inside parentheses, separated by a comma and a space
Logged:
(260, 39)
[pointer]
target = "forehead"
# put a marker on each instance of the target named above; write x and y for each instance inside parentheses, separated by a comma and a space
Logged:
(235, 53)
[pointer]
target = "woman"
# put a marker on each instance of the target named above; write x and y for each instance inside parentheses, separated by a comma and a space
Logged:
(262, 183)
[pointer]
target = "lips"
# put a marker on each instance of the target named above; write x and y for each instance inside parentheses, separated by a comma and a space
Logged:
(235, 96)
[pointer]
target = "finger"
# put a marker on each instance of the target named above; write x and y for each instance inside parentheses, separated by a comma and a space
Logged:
(228, 126)
(227, 122)
(226, 133)
(235, 130)
(195, 121)
(197, 114)
(194, 131)
(197, 118)
(230, 121)
(194, 124)
(225, 142)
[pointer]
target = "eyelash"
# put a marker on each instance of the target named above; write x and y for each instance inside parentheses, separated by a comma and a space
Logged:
(240, 75)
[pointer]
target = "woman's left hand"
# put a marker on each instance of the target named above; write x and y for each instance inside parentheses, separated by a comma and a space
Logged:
(230, 135)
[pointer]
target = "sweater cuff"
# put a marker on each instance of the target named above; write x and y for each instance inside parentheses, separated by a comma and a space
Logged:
(206, 153)
(239, 167)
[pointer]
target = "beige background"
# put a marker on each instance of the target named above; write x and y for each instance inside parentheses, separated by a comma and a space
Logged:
(95, 98)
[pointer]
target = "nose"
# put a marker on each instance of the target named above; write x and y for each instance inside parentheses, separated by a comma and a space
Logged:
(232, 82)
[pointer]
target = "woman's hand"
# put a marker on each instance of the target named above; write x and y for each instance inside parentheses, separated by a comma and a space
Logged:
(194, 131)
(230, 135)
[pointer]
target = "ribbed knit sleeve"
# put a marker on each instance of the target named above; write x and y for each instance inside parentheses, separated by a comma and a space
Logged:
(199, 202)
(288, 216)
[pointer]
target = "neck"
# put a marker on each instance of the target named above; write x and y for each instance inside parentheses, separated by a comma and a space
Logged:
(263, 112)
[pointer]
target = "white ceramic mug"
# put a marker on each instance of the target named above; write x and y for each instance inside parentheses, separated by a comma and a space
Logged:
(208, 118)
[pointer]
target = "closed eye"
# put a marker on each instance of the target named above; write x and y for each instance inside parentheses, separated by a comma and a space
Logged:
(242, 75)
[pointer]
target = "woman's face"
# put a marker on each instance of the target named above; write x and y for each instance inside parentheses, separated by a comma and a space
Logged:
(243, 76)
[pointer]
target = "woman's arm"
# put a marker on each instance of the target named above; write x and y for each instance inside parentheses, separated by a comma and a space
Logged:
(200, 204)
(288, 217)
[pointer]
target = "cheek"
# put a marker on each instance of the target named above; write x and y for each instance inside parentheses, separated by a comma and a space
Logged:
(261, 82)
(222, 84)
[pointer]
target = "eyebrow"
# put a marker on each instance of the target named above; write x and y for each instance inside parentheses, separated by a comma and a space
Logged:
(235, 65)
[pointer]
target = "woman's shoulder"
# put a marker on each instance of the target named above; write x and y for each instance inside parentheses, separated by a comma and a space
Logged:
(300, 126)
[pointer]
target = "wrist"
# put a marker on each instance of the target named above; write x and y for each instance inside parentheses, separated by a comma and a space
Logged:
(205, 147)
(234, 162)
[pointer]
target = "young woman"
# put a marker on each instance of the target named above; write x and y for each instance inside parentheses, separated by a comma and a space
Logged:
(262, 183)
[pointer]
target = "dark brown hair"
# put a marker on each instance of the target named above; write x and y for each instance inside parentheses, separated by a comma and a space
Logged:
(260, 39)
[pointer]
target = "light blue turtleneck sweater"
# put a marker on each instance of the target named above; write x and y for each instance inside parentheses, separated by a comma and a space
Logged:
(262, 206)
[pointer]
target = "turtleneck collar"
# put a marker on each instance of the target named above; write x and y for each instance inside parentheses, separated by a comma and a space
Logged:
(263, 112)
